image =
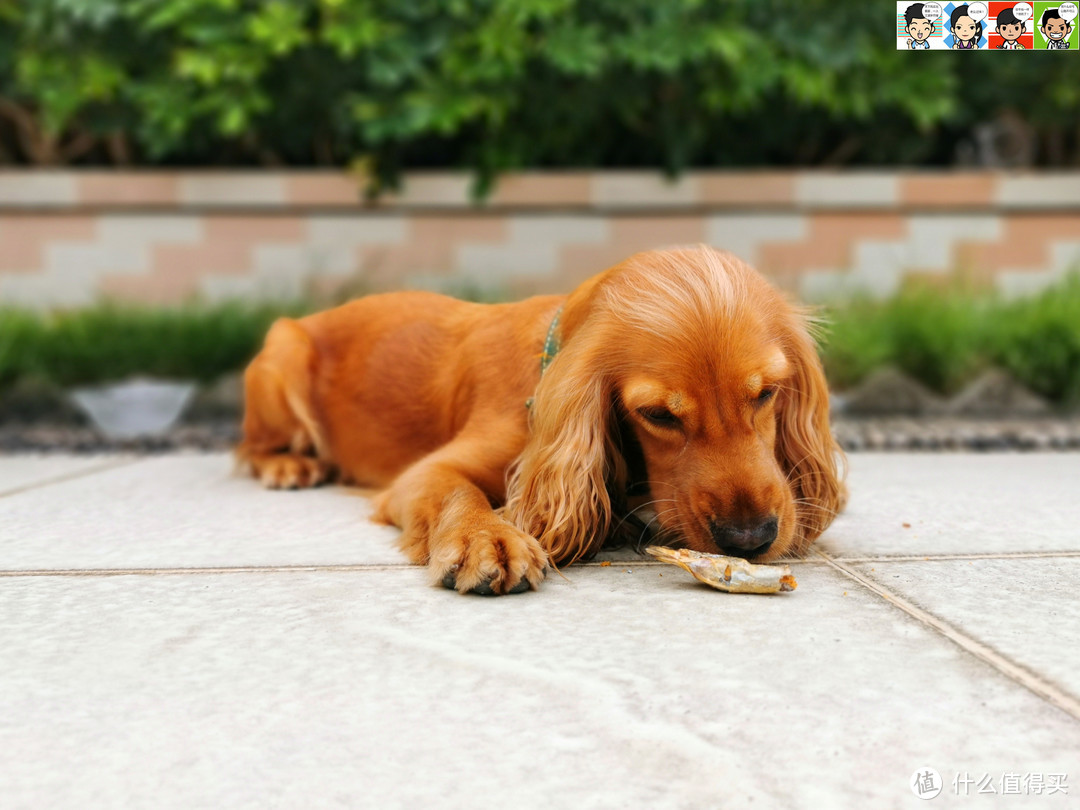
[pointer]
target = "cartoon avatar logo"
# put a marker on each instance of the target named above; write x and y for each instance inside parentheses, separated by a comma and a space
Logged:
(965, 29)
(919, 26)
(1056, 30)
(1011, 29)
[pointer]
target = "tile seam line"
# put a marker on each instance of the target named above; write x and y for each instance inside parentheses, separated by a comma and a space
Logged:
(989, 555)
(233, 569)
(359, 567)
(1016, 673)
(11, 573)
(105, 466)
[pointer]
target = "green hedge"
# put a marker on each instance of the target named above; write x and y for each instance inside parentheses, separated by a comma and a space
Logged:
(497, 84)
(941, 337)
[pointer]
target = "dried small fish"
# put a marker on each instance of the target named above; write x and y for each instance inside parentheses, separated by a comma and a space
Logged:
(731, 574)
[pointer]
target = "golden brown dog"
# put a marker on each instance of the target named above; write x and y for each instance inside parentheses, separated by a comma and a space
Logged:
(681, 375)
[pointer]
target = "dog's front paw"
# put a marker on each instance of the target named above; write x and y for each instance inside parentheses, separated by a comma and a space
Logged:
(291, 472)
(490, 560)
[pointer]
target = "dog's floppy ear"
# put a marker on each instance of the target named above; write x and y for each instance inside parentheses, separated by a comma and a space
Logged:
(558, 489)
(811, 458)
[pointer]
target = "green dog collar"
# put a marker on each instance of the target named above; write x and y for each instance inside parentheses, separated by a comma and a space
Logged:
(551, 348)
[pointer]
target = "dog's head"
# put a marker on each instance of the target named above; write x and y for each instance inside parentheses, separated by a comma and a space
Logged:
(687, 364)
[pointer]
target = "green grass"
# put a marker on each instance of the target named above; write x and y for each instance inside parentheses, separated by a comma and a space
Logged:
(943, 338)
(935, 336)
(19, 333)
(113, 341)
(1038, 340)
(110, 342)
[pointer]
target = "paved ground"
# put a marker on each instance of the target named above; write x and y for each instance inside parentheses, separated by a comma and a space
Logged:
(173, 636)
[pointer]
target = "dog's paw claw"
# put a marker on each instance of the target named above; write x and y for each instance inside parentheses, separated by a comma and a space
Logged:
(484, 588)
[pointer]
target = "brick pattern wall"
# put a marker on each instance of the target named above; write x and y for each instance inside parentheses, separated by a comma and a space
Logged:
(70, 238)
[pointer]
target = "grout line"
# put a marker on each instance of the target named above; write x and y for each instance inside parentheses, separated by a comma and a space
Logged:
(988, 655)
(359, 567)
(112, 463)
(284, 569)
(356, 567)
(642, 563)
(235, 569)
(990, 555)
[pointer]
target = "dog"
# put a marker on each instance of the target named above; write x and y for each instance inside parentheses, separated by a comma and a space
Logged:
(510, 437)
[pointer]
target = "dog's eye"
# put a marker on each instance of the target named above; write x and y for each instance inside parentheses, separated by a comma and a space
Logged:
(765, 395)
(661, 417)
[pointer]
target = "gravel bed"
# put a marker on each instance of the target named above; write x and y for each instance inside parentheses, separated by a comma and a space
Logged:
(45, 438)
(944, 434)
(926, 434)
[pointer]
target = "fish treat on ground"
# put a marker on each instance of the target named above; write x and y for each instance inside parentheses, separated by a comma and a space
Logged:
(730, 574)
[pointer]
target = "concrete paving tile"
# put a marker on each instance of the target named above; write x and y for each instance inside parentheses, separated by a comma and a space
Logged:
(180, 511)
(958, 504)
(618, 687)
(20, 471)
(1025, 609)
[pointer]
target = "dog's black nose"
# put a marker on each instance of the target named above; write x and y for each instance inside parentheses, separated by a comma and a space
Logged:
(744, 540)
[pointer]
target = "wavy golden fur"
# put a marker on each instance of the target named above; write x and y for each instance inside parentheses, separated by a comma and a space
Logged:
(684, 382)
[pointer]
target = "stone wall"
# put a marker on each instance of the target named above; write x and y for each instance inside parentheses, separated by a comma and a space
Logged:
(68, 238)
